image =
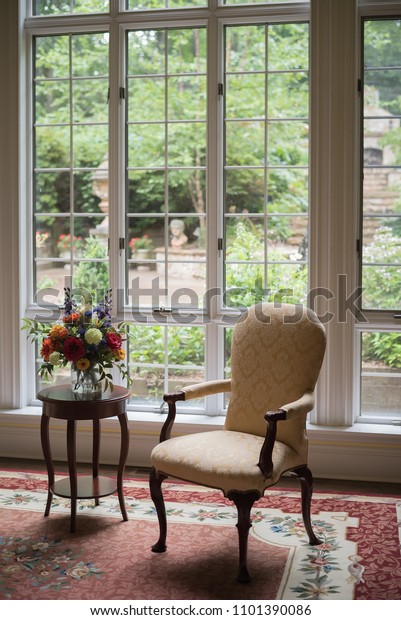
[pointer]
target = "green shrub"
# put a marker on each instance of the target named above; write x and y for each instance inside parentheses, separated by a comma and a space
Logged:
(92, 276)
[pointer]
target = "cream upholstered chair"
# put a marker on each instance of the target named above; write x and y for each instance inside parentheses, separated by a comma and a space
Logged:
(277, 352)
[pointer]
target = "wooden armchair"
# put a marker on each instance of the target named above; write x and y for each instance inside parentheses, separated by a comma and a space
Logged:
(277, 352)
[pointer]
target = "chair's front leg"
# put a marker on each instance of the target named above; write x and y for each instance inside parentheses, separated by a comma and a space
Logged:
(305, 478)
(155, 484)
(244, 503)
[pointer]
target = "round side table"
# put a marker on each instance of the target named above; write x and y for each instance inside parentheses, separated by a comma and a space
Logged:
(61, 402)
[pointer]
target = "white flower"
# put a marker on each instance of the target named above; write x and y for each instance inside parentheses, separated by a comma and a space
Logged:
(93, 335)
(54, 358)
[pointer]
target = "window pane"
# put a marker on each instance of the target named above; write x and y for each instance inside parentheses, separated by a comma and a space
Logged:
(381, 207)
(187, 98)
(163, 359)
(251, 137)
(146, 191)
(244, 95)
(146, 52)
(88, 96)
(52, 102)
(288, 143)
(285, 37)
(245, 49)
(71, 162)
(381, 374)
(245, 190)
(90, 143)
(266, 162)
(52, 147)
(141, 5)
(288, 95)
(90, 55)
(187, 192)
(146, 145)
(166, 117)
(52, 192)
(146, 99)
(245, 239)
(187, 144)
(257, 1)
(57, 7)
(288, 190)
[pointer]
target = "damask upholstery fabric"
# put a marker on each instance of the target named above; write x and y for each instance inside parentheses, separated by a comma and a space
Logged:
(276, 357)
(225, 460)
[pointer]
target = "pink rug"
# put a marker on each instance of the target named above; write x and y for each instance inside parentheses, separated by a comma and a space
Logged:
(110, 559)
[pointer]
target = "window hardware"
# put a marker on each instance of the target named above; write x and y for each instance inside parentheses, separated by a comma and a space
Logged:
(122, 92)
(220, 90)
(219, 245)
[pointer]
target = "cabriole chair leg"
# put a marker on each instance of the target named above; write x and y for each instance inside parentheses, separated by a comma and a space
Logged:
(244, 503)
(305, 478)
(155, 483)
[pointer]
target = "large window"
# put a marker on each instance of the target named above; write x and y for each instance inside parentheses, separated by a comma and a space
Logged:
(381, 219)
(178, 157)
(205, 221)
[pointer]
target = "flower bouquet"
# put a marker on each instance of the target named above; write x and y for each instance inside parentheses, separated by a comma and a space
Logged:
(84, 338)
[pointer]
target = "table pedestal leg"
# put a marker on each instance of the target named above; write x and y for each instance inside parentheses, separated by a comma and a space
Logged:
(72, 468)
(44, 436)
(123, 459)
(96, 452)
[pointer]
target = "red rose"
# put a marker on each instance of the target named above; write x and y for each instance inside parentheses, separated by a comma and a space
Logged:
(73, 349)
(113, 340)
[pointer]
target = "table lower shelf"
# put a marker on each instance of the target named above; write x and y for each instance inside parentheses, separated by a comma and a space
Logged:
(88, 487)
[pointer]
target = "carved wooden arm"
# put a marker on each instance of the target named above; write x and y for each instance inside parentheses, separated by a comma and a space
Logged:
(265, 458)
(301, 406)
(171, 400)
(197, 390)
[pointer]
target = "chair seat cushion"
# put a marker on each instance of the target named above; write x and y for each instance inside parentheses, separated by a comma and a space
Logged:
(226, 460)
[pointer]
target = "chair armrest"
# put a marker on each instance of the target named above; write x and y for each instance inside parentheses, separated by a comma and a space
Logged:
(197, 390)
(301, 406)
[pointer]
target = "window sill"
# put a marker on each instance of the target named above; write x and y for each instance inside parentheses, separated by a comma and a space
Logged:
(203, 422)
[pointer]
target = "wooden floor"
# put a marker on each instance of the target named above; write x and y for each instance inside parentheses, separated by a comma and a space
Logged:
(347, 486)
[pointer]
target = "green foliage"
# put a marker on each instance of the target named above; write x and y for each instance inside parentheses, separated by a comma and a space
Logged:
(382, 48)
(286, 282)
(382, 283)
(384, 347)
(93, 276)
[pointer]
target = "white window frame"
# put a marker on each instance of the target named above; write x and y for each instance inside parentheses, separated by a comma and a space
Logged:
(378, 321)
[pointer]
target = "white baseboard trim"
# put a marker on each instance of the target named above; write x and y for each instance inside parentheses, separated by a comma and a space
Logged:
(360, 452)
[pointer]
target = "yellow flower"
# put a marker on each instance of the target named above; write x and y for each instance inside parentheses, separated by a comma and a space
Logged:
(83, 363)
(119, 354)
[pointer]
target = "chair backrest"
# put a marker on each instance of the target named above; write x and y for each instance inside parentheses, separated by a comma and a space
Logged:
(277, 352)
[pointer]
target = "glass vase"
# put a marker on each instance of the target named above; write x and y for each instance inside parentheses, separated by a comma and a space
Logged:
(86, 381)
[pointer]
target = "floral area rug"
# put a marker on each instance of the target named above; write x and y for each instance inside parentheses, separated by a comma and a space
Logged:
(110, 559)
